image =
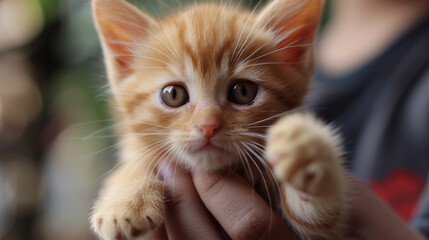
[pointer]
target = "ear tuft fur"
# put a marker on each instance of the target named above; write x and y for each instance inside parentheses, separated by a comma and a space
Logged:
(119, 25)
(294, 24)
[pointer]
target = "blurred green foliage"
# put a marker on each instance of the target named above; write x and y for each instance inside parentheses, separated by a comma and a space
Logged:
(49, 8)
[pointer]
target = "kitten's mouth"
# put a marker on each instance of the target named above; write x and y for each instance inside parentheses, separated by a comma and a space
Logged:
(208, 146)
(211, 155)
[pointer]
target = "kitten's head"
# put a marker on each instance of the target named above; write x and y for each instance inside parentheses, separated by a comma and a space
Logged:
(202, 85)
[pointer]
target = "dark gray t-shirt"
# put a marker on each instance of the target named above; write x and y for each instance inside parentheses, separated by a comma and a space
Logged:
(382, 112)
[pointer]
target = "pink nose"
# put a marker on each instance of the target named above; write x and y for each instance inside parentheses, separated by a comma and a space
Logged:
(208, 130)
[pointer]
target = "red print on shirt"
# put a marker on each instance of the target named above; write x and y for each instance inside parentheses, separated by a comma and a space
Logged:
(401, 189)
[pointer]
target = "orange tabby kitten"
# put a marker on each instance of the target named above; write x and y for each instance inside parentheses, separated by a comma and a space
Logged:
(200, 88)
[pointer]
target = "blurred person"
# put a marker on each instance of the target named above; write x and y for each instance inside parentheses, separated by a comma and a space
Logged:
(372, 82)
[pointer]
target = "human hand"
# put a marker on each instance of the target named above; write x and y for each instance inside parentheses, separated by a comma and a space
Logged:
(201, 204)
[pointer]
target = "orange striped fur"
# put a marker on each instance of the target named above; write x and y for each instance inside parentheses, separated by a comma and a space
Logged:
(207, 48)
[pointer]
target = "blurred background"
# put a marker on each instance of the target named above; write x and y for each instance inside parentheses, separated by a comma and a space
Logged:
(55, 130)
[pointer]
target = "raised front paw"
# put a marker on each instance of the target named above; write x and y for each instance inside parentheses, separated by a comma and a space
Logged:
(126, 214)
(304, 153)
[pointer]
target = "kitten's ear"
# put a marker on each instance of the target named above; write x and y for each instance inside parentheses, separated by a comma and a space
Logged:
(294, 24)
(120, 25)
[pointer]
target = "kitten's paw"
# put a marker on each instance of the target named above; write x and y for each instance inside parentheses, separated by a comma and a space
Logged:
(127, 215)
(304, 153)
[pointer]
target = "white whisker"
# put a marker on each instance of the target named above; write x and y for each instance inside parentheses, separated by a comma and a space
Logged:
(143, 57)
(155, 160)
(266, 126)
(109, 147)
(260, 148)
(92, 122)
(169, 39)
(265, 63)
(166, 158)
(170, 162)
(138, 164)
(263, 180)
(274, 116)
(130, 162)
(253, 39)
(154, 125)
(149, 67)
(242, 31)
(98, 131)
(251, 134)
(279, 50)
(245, 163)
(139, 44)
(175, 167)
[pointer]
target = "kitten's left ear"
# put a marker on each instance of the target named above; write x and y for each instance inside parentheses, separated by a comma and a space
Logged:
(120, 26)
(294, 24)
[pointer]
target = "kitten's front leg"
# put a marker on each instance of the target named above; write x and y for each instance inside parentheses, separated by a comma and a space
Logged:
(306, 159)
(130, 205)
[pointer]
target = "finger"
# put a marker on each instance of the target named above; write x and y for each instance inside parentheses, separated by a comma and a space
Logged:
(240, 211)
(187, 217)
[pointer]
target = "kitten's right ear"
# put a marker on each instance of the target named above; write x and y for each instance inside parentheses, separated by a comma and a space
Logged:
(294, 24)
(120, 25)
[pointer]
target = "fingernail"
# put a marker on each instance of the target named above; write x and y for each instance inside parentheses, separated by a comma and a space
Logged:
(166, 170)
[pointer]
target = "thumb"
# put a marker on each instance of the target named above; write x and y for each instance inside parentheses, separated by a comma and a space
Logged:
(187, 217)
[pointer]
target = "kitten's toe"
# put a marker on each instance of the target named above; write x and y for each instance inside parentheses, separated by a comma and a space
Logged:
(310, 179)
(127, 224)
(305, 176)
(128, 218)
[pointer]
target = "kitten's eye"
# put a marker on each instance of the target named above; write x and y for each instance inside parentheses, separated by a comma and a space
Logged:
(243, 92)
(174, 95)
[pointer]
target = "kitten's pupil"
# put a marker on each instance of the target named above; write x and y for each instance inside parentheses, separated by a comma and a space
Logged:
(174, 94)
(243, 91)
